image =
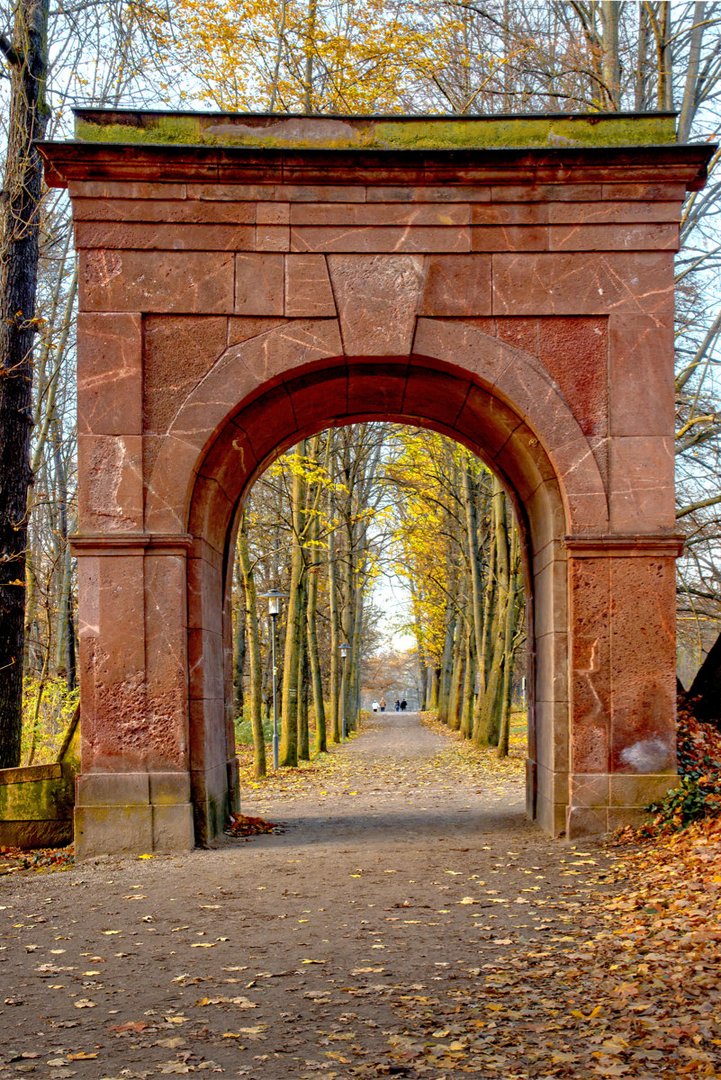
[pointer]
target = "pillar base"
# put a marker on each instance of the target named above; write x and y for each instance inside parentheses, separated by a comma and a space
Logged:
(602, 802)
(132, 813)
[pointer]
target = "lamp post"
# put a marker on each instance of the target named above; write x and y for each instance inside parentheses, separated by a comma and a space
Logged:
(344, 649)
(274, 597)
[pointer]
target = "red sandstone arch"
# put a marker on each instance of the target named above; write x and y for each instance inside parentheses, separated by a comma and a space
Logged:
(235, 298)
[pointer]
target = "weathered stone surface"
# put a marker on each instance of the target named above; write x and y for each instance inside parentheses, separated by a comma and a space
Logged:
(380, 239)
(259, 284)
(112, 497)
(581, 284)
(641, 385)
(382, 322)
(169, 282)
(308, 293)
(110, 374)
(134, 236)
(178, 351)
(457, 285)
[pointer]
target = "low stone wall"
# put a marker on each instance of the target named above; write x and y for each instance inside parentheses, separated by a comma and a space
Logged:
(36, 805)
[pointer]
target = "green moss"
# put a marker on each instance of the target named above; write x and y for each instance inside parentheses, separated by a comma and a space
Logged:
(185, 130)
(45, 798)
(527, 132)
(372, 133)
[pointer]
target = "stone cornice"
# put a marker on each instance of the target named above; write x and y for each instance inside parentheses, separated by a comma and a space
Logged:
(661, 545)
(130, 543)
(681, 165)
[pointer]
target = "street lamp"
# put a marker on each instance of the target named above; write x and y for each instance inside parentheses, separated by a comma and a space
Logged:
(344, 649)
(274, 597)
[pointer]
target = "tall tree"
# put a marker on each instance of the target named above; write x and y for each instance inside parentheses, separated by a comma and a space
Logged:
(26, 57)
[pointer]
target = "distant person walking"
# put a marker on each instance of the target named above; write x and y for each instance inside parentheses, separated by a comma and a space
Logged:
(375, 706)
(398, 705)
(383, 704)
(404, 705)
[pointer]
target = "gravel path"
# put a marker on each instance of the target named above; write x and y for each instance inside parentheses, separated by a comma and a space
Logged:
(349, 946)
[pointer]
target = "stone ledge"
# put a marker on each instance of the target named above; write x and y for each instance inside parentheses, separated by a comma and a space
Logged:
(654, 545)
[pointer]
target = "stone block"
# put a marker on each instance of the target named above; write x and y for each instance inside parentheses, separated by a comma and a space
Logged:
(112, 789)
(448, 193)
(642, 484)
(211, 512)
(486, 421)
(166, 677)
(590, 661)
(126, 189)
(272, 238)
(259, 284)
(510, 238)
(574, 351)
(111, 497)
(380, 238)
(582, 821)
(308, 293)
(177, 211)
(546, 193)
(642, 665)
(29, 835)
(151, 236)
(36, 806)
(457, 285)
(501, 214)
(630, 790)
(243, 329)
(110, 371)
(173, 828)
(374, 389)
(169, 788)
(179, 350)
(641, 375)
(614, 237)
(552, 665)
(205, 661)
(272, 213)
(589, 790)
(168, 282)
(550, 592)
(610, 213)
(378, 299)
(434, 395)
(580, 283)
(169, 463)
(113, 830)
(547, 521)
(375, 213)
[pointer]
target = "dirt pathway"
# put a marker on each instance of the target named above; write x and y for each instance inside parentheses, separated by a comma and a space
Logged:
(409, 922)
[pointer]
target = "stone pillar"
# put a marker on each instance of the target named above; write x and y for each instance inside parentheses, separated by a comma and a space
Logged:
(623, 662)
(133, 791)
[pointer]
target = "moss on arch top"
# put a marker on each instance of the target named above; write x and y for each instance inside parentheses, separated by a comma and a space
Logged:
(275, 131)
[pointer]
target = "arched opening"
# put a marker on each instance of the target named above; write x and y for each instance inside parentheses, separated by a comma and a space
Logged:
(424, 392)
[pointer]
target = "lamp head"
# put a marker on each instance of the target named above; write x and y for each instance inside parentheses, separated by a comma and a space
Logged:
(274, 597)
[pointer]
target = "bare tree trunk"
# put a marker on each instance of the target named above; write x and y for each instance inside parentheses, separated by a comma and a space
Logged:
(611, 61)
(690, 103)
(239, 643)
(288, 754)
(250, 614)
(26, 56)
(469, 687)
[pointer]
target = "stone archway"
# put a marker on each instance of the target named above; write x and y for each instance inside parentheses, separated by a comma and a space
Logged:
(235, 298)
